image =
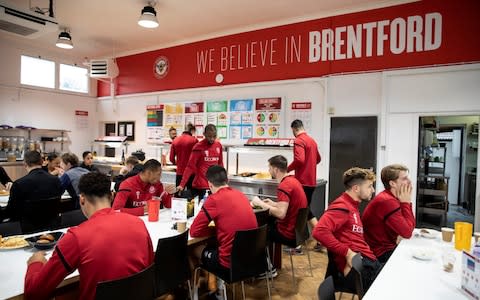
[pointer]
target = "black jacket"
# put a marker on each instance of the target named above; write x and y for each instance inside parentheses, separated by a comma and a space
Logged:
(4, 178)
(91, 168)
(136, 169)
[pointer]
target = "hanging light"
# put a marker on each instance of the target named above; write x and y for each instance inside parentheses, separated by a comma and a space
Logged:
(148, 17)
(64, 40)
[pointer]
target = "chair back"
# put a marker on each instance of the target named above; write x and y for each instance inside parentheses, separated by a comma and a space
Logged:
(10, 228)
(249, 256)
(357, 266)
(262, 216)
(340, 284)
(139, 286)
(171, 263)
(301, 231)
(72, 218)
(326, 290)
(40, 214)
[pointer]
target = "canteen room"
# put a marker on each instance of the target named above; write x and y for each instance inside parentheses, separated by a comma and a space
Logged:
(212, 150)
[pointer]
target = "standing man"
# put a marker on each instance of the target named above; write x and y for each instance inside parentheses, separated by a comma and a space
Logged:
(71, 176)
(390, 215)
(36, 185)
(180, 152)
(340, 229)
(231, 212)
(89, 247)
(305, 160)
(172, 133)
(134, 192)
(205, 153)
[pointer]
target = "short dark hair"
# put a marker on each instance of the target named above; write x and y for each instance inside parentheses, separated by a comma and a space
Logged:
(297, 124)
(210, 128)
(133, 160)
(356, 175)
(279, 161)
(33, 158)
(94, 184)
(391, 172)
(52, 156)
(217, 175)
(86, 153)
(70, 158)
(172, 129)
(151, 165)
(189, 127)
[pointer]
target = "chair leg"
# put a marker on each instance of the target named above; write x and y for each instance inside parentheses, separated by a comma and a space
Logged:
(190, 292)
(196, 281)
(268, 287)
(225, 291)
(293, 272)
(309, 261)
(243, 290)
(269, 265)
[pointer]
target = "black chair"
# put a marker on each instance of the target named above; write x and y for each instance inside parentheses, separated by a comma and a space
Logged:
(262, 216)
(10, 228)
(171, 264)
(357, 267)
(301, 236)
(248, 259)
(139, 286)
(326, 290)
(40, 214)
(340, 283)
(71, 218)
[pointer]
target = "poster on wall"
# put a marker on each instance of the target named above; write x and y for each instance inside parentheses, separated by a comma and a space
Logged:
(241, 119)
(218, 116)
(303, 112)
(154, 123)
(174, 116)
(194, 114)
(267, 117)
(81, 119)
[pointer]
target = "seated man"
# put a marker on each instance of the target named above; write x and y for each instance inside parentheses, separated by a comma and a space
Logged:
(389, 215)
(134, 192)
(340, 229)
(51, 164)
(132, 167)
(290, 199)
(36, 185)
(91, 246)
(71, 176)
(88, 162)
(231, 212)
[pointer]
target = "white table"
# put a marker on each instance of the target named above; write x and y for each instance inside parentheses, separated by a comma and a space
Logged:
(13, 263)
(404, 277)
(4, 199)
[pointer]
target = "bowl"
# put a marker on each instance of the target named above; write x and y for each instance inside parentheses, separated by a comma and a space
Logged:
(33, 241)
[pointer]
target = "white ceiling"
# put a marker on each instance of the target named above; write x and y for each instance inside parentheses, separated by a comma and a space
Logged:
(102, 28)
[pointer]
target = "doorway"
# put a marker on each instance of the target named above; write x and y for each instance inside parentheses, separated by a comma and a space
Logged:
(353, 143)
(447, 167)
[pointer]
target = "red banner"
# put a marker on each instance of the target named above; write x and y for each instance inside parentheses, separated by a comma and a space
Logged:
(81, 113)
(302, 105)
(268, 103)
(418, 34)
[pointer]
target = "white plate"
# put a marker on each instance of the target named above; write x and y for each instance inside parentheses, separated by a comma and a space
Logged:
(423, 254)
(23, 245)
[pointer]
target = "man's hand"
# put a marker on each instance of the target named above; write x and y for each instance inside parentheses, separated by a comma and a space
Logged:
(179, 188)
(404, 194)
(123, 171)
(8, 186)
(256, 201)
(170, 188)
(37, 257)
(348, 258)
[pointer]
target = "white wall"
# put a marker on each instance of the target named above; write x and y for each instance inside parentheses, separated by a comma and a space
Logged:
(42, 108)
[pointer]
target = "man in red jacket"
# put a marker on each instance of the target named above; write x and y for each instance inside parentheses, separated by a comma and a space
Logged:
(180, 152)
(340, 229)
(135, 191)
(205, 153)
(390, 215)
(231, 211)
(91, 247)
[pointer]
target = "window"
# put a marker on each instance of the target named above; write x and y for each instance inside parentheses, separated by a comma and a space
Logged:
(73, 79)
(37, 72)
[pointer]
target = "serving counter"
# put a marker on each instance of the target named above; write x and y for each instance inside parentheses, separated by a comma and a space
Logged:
(14, 169)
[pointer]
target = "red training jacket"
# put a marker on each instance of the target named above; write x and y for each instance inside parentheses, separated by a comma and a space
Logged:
(305, 159)
(181, 149)
(231, 212)
(384, 219)
(110, 245)
(290, 190)
(203, 156)
(133, 195)
(340, 228)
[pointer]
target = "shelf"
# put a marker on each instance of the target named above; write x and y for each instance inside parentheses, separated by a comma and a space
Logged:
(433, 192)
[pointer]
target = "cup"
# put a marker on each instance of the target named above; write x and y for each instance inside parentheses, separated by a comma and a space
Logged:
(463, 236)
(447, 234)
(153, 209)
(448, 260)
(181, 226)
(477, 237)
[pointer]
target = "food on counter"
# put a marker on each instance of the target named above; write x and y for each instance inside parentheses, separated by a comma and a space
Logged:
(47, 237)
(13, 242)
(246, 174)
(262, 175)
(43, 241)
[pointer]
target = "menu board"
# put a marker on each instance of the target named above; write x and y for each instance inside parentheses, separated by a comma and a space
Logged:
(303, 112)
(217, 114)
(154, 123)
(174, 116)
(241, 119)
(194, 114)
(267, 117)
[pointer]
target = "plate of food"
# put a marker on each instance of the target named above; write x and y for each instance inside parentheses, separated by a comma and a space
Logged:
(428, 234)
(423, 254)
(45, 241)
(13, 242)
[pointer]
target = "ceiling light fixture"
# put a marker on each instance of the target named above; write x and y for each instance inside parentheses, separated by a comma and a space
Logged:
(64, 40)
(148, 18)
